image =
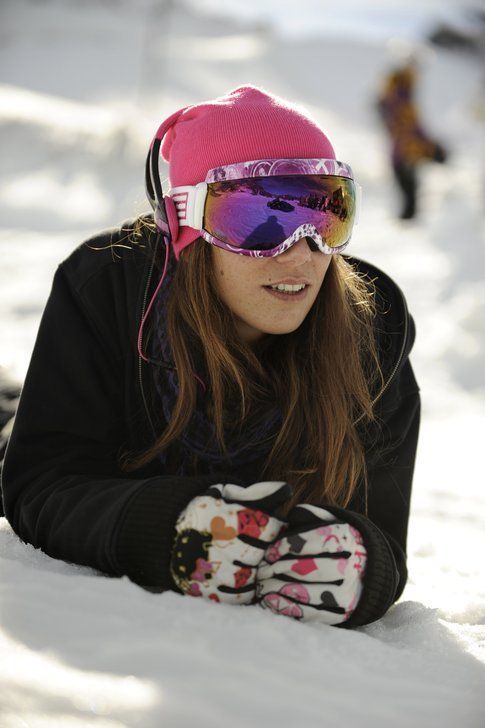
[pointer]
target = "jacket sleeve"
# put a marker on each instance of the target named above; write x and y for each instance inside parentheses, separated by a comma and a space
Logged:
(63, 489)
(382, 515)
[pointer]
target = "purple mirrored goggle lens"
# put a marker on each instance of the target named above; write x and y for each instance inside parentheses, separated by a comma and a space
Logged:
(259, 214)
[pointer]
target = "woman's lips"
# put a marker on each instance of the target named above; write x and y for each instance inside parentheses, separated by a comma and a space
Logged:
(288, 297)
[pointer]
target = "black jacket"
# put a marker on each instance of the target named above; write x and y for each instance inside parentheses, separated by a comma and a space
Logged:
(88, 396)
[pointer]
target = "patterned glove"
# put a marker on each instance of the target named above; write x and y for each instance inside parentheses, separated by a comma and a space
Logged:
(221, 538)
(314, 572)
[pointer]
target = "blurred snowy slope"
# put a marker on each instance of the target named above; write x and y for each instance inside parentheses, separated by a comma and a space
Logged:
(374, 19)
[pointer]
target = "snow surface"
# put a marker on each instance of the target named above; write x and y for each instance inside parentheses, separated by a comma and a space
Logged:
(82, 88)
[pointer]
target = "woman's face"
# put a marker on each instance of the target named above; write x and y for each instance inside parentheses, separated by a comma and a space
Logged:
(248, 287)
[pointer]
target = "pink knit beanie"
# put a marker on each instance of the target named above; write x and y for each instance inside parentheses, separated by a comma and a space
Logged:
(244, 124)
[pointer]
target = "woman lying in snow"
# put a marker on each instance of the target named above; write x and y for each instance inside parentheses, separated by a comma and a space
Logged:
(219, 402)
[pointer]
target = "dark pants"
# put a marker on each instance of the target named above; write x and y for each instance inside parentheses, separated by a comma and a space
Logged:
(407, 181)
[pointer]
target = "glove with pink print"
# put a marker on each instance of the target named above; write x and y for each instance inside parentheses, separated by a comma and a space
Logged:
(221, 537)
(314, 572)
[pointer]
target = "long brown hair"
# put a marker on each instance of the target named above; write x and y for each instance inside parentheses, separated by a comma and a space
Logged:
(322, 376)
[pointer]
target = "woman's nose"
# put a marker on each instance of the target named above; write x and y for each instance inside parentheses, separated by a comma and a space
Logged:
(298, 254)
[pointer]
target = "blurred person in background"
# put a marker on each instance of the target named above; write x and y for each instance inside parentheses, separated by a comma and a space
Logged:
(410, 144)
(219, 401)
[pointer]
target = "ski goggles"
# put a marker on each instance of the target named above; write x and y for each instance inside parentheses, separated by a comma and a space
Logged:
(263, 207)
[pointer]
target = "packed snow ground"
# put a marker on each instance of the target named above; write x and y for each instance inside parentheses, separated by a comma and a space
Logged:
(82, 88)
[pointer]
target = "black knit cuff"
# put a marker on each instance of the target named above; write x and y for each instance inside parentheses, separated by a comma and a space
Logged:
(381, 576)
(147, 530)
